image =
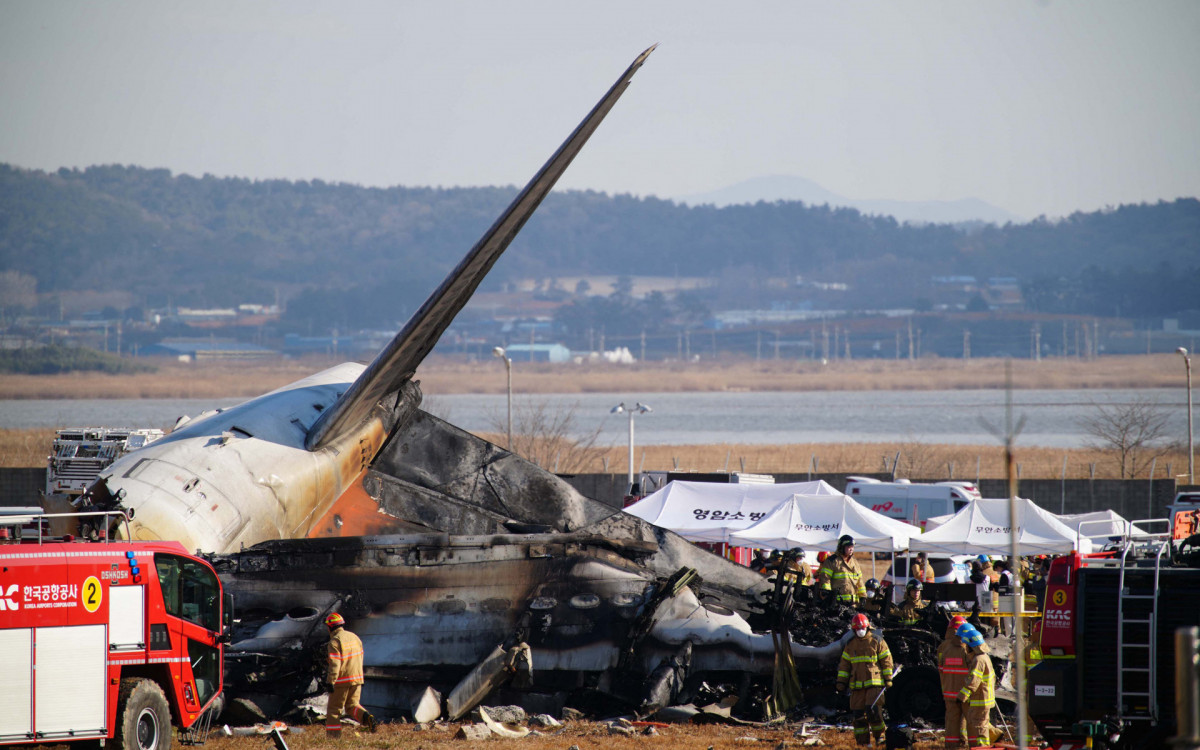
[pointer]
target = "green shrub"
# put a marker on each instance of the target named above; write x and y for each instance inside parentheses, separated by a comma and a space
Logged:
(53, 359)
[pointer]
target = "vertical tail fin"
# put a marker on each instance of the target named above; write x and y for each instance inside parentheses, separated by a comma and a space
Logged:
(400, 358)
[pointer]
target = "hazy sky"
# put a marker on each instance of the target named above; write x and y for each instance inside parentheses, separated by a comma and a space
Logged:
(1036, 107)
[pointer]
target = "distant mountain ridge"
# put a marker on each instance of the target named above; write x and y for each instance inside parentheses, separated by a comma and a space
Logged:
(790, 188)
(345, 254)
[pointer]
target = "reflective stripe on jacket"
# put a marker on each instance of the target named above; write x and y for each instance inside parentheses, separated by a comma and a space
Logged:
(866, 662)
(910, 612)
(980, 687)
(952, 666)
(924, 575)
(345, 658)
(843, 578)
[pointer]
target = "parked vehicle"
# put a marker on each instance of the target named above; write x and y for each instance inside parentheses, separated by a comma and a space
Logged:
(1107, 678)
(911, 502)
(106, 640)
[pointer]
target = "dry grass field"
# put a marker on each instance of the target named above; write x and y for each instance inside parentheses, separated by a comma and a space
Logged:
(29, 448)
(441, 376)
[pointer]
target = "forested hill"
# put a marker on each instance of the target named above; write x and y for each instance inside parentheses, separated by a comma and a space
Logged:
(219, 241)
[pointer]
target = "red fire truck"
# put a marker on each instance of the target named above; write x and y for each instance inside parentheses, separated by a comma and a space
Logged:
(1107, 679)
(105, 640)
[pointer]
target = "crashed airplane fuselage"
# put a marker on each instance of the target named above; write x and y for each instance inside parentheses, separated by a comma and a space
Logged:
(271, 467)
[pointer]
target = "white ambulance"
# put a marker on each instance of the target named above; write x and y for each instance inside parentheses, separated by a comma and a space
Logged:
(911, 502)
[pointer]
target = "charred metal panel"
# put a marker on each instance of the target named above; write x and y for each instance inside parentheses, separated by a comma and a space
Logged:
(473, 473)
(429, 508)
(438, 456)
(735, 586)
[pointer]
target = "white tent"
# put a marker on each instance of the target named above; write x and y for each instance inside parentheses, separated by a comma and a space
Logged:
(710, 512)
(982, 527)
(933, 522)
(1101, 525)
(815, 522)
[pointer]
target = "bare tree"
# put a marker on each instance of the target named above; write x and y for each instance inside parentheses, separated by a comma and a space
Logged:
(1134, 432)
(918, 460)
(548, 436)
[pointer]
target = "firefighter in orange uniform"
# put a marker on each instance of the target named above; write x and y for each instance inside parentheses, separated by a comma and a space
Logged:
(921, 569)
(978, 693)
(865, 668)
(345, 674)
(952, 666)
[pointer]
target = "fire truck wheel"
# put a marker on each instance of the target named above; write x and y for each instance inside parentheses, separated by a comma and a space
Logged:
(144, 718)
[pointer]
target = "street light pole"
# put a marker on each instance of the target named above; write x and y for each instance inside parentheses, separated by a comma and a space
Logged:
(1187, 363)
(640, 408)
(499, 352)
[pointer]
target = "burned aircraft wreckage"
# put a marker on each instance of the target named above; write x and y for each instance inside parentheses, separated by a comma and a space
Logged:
(613, 610)
(458, 563)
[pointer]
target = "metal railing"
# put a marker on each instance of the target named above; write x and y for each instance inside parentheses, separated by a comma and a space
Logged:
(110, 517)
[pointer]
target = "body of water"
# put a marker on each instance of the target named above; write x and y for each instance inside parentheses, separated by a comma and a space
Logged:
(1052, 418)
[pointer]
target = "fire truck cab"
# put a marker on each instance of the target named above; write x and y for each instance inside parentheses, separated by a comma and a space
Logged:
(106, 640)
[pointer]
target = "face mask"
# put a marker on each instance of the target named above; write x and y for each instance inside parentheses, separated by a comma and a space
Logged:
(860, 633)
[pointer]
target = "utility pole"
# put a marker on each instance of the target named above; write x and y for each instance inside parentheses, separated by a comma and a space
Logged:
(1187, 363)
(966, 343)
(910, 338)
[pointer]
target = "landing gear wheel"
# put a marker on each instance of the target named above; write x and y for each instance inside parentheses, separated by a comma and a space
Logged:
(143, 716)
(917, 691)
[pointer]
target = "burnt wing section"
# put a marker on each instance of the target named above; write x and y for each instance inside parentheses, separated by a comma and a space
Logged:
(484, 485)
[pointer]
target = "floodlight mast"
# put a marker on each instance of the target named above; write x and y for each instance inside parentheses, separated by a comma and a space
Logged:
(639, 408)
(1187, 364)
(499, 352)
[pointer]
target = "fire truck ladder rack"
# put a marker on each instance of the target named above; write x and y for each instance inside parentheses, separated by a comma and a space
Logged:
(109, 518)
(1137, 634)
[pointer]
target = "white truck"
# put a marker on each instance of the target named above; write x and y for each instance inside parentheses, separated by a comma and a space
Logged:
(911, 502)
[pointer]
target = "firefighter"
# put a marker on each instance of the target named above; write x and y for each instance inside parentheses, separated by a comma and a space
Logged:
(921, 569)
(759, 563)
(345, 675)
(911, 611)
(797, 571)
(952, 668)
(866, 669)
(840, 574)
(874, 600)
(1005, 585)
(978, 693)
